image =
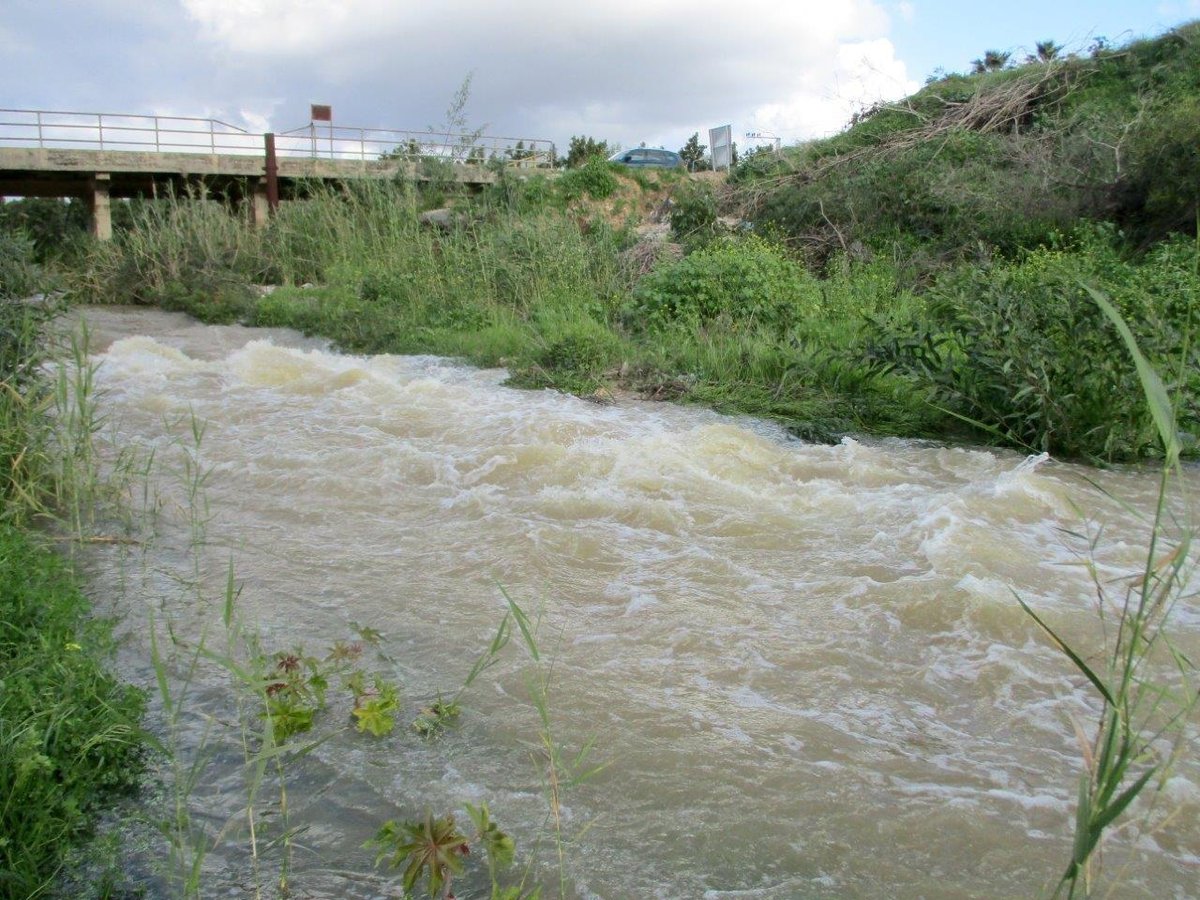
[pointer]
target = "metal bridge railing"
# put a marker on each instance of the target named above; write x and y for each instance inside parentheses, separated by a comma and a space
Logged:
(56, 129)
(321, 139)
(121, 131)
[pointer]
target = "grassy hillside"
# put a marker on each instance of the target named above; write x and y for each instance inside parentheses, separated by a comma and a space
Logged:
(1003, 199)
(1002, 160)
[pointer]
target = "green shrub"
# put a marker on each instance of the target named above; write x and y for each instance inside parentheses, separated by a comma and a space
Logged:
(69, 733)
(584, 148)
(522, 193)
(746, 282)
(20, 276)
(1023, 349)
(948, 194)
(595, 178)
(1160, 187)
(583, 348)
(694, 214)
(54, 226)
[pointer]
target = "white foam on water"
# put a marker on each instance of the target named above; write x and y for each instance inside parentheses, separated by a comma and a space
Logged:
(823, 638)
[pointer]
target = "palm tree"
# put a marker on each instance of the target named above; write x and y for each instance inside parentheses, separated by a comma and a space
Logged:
(1047, 51)
(993, 61)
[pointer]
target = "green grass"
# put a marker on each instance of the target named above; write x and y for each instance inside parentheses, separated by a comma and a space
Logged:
(70, 736)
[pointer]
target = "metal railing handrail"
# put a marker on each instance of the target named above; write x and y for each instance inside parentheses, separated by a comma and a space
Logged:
(52, 128)
(357, 142)
(55, 129)
(112, 115)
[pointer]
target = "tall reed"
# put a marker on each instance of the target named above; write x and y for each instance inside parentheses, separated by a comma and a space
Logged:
(1147, 690)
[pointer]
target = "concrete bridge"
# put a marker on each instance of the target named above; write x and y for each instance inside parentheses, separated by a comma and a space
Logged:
(104, 156)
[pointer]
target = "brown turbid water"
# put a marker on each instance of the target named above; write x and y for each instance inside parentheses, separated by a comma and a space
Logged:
(804, 665)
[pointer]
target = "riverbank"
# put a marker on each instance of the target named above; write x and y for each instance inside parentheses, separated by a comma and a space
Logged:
(70, 738)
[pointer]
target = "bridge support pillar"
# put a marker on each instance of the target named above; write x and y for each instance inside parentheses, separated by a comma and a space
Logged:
(100, 206)
(260, 207)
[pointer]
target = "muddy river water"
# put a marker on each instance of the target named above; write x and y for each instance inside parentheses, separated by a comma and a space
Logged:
(804, 665)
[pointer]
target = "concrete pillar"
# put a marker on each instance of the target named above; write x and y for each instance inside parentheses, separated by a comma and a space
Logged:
(100, 206)
(260, 207)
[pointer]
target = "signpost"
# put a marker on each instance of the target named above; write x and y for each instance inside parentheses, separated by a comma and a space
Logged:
(320, 112)
(721, 142)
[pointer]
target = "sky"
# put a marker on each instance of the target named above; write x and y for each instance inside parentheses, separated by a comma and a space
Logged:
(625, 71)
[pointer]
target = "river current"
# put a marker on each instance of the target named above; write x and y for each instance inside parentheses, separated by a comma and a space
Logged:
(804, 666)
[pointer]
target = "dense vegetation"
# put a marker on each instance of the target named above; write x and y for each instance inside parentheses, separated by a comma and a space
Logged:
(69, 732)
(927, 272)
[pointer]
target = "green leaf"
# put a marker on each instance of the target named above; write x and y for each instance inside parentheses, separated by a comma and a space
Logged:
(1110, 812)
(375, 713)
(523, 624)
(1071, 654)
(1083, 815)
(488, 658)
(499, 846)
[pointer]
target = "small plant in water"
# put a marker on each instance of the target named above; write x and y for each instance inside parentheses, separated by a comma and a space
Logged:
(436, 716)
(432, 847)
(296, 694)
(436, 849)
(375, 706)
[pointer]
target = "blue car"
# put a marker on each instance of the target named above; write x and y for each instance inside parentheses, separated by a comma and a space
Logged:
(646, 157)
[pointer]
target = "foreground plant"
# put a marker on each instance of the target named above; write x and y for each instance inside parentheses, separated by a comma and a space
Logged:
(436, 849)
(1139, 710)
(432, 847)
(560, 770)
(70, 734)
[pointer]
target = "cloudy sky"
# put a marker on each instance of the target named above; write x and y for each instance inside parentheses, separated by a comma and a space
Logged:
(623, 70)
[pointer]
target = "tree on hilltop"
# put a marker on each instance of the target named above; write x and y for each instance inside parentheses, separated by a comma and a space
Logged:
(1047, 51)
(583, 148)
(992, 61)
(693, 152)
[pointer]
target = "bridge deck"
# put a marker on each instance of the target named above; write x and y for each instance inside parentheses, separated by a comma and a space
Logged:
(97, 156)
(48, 172)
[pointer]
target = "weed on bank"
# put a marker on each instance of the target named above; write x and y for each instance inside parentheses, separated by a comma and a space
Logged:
(70, 733)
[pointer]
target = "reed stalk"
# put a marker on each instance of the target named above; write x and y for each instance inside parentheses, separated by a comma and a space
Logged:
(1147, 691)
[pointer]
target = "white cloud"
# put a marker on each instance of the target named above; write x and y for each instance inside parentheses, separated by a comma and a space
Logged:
(627, 70)
(865, 72)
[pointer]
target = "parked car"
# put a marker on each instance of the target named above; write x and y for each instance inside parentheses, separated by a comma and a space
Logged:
(646, 157)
